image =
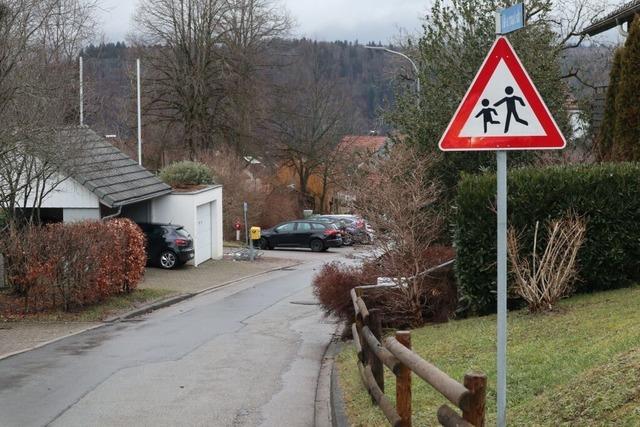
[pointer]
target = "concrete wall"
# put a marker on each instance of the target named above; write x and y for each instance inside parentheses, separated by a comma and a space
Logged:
(80, 214)
(181, 208)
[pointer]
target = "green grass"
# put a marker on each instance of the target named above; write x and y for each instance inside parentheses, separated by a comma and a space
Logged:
(577, 366)
(112, 306)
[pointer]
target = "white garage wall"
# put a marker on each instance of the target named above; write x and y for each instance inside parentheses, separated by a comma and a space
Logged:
(182, 208)
(80, 214)
(69, 194)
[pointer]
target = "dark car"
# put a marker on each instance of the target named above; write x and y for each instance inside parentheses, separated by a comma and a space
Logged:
(316, 235)
(168, 245)
(347, 229)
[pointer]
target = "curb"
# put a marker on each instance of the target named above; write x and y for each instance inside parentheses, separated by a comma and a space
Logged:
(329, 405)
(145, 309)
(148, 308)
(42, 344)
(338, 413)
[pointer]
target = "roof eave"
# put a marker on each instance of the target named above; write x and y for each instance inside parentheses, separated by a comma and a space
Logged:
(117, 204)
(613, 21)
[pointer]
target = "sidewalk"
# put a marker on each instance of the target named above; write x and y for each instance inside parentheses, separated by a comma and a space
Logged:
(211, 274)
(29, 334)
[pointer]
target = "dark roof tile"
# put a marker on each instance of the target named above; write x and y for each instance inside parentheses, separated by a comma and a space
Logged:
(110, 174)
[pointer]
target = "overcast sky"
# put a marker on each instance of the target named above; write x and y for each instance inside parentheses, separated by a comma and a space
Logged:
(363, 20)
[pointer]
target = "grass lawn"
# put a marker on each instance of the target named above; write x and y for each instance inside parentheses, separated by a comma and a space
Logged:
(579, 366)
(115, 305)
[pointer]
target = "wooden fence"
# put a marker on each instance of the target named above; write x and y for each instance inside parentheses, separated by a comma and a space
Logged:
(395, 353)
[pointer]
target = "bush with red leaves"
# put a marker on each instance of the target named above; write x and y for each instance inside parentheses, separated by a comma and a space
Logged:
(438, 296)
(66, 266)
(333, 283)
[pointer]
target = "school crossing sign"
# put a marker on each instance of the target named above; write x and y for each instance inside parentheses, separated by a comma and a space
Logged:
(502, 110)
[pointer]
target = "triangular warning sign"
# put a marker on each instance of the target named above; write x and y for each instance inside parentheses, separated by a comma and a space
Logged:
(502, 110)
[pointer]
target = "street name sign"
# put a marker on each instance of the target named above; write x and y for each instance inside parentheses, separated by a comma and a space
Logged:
(512, 18)
(502, 110)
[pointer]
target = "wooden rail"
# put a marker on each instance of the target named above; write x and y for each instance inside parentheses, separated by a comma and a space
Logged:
(395, 353)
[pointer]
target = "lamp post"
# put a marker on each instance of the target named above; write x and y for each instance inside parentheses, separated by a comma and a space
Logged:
(415, 67)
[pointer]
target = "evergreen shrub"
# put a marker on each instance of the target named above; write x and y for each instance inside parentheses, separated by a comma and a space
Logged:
(606, 195)
(186, 174)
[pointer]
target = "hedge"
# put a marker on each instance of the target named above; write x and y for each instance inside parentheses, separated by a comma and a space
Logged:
(607, 195)
(67, 266)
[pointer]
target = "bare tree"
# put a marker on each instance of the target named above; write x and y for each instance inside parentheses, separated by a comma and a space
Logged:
(252, 27)
(397, 197)
(307, 121)
(201, 59)
(179, 41)
(37, 98)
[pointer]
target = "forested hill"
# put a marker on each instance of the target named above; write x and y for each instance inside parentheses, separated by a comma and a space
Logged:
(366, 77)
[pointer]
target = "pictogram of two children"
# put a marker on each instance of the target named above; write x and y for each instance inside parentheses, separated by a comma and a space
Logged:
(488, 112)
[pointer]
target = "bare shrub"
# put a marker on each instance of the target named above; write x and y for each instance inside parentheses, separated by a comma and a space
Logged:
(398, 199)
(332, 286)
(543, 280)
(246, 181)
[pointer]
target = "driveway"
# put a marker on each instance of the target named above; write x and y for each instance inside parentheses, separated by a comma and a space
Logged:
(244, 355)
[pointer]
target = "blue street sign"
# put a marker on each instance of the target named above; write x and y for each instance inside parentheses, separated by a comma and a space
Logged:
(512, 18)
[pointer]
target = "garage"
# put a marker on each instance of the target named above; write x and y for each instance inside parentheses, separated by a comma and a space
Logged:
(200, 213)
(204, 232)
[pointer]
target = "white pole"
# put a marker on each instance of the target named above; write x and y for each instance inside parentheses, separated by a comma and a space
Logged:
(501, 157)
(501, 176)
(81, 92)
(139, 116)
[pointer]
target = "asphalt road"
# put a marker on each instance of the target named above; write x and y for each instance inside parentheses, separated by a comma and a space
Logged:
(246, 355)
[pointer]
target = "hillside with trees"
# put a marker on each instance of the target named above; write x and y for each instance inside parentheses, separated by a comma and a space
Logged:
(365, 77)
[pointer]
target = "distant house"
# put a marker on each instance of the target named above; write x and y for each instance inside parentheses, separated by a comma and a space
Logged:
(329, 195)
(367, 145)
(103, 182)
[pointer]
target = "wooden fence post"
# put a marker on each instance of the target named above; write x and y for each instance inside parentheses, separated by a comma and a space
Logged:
(377, 368)
(476, 383)
(359, 325)
(403, 383)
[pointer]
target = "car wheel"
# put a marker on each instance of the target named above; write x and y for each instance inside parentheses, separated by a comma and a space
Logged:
(347, 240)
(263, 244)
(316, 245)
(168, 260)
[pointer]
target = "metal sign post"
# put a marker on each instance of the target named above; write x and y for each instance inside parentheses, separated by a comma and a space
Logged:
(501, 383)
(501, 195)
(245, 208)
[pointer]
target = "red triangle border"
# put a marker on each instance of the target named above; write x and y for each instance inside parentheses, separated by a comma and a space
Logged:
(502, 50)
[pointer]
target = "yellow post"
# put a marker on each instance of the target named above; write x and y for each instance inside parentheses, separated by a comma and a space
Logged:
(255, 233)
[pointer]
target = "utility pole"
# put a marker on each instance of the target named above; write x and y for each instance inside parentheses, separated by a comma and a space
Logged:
(81, 92)
(139, 115)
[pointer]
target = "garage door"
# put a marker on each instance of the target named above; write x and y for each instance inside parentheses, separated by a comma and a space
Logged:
(204, 233)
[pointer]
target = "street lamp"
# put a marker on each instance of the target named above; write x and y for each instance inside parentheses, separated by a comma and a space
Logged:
(415, 67)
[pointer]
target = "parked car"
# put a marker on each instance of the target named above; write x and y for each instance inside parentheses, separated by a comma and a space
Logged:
(168, 245)
(360, 230)
(347, 229)
(316, 235)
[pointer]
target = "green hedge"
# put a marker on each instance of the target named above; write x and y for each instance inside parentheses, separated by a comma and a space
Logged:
(186, 173)
(608, 195)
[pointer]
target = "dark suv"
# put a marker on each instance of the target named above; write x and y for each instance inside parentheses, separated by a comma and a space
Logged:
(168, 245)
(316, 235)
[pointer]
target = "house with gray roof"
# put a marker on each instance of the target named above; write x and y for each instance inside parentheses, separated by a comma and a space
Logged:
(101, 181)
